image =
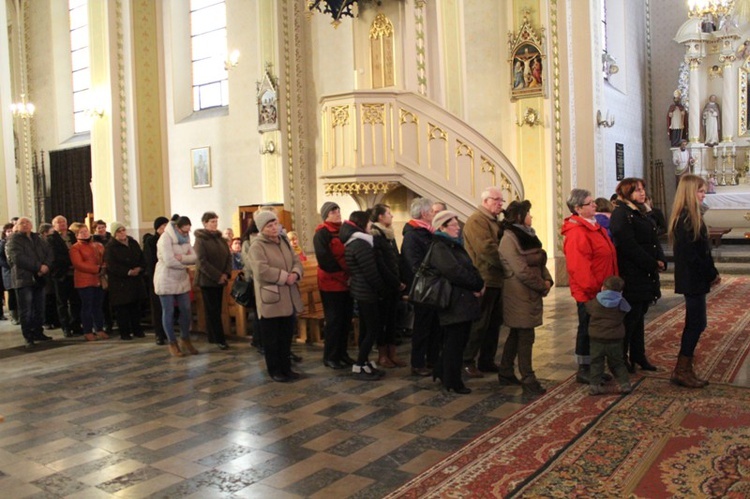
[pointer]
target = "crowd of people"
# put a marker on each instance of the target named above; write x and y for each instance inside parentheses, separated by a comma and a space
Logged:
(495, 264)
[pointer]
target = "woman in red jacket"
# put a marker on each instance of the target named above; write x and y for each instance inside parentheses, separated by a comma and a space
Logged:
(590, 258)
(87, 259)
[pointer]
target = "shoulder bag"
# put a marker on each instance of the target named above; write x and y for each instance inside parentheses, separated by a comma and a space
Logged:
(243, 292)
(429, 287)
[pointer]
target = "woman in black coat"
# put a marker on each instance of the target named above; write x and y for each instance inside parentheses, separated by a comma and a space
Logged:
(640, 258)
(694, 271)
(450, 258)
(125, 264)
(366, 286)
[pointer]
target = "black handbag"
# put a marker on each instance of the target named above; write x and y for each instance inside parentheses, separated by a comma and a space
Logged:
(243, 291)
(429, 287)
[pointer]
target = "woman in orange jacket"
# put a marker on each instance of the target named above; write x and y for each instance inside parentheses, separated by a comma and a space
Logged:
(87, 259)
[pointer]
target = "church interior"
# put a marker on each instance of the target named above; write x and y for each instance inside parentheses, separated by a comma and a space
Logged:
(128, 110)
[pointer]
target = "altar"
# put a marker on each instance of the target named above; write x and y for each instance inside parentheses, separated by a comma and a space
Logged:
(728, 207)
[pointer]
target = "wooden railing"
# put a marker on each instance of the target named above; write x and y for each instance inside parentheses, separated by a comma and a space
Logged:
(372, 140)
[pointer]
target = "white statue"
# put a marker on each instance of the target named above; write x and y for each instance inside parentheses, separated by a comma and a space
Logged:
(711, 128)
(682, 160)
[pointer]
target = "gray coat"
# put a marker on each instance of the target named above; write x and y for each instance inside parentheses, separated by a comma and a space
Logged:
(272, 263)
(26, 255)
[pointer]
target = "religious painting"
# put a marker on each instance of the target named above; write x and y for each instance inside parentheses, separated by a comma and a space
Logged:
(200, 167)
(528, 62)
(268, 104)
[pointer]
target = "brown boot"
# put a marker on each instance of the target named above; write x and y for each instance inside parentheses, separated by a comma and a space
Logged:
(394, 357)
(702, 382)
(383, 360)
(186, 346)
(682, 374)
(174, 349)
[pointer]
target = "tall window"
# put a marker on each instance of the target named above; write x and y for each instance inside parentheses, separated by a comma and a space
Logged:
(208, 30)
(80, 58)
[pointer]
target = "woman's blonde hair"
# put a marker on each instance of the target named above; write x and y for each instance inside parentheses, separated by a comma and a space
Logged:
(686, 200)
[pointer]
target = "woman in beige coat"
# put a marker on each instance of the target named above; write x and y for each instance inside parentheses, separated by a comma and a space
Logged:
(276, 272)
(529, 281)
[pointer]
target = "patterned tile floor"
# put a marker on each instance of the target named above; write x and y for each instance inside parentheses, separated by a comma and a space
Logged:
(122, 419)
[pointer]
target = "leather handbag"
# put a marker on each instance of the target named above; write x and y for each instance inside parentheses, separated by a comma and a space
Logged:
(429, 287)
(243, 291)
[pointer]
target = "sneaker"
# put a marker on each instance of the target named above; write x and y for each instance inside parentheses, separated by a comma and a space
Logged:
(364, 373)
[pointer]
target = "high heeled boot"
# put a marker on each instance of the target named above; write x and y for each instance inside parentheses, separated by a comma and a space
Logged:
(186, 346)
(683, 373)
(174, 350)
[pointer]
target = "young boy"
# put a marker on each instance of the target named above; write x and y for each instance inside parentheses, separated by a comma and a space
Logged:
(606, 330)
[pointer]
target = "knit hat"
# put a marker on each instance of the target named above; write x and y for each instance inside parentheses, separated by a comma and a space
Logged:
(115, 226)
(263, 217)
(442, 218)
(328, 207)
(159, 221)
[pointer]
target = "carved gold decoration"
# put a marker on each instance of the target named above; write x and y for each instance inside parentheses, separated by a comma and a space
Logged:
(408, 117)
(381, 27)
(339, 115)
(351, 188)
(419, 31)
(463, 149)
(488, 167)
(373, 114)
(743, 102)
(435, 132)
(123, 106)
(559, 199)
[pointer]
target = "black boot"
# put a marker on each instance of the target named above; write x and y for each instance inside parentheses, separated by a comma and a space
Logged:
(584, 374)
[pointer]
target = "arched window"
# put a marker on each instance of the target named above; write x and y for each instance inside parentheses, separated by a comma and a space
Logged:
(80, 64)
(208, 38)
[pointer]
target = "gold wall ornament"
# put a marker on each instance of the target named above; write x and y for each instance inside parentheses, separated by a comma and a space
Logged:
(715, 71)
(743, 88)
(339, 116)
(382, 52)
(373, 114)
(405, 116)
(435, 132)
(488, 167)
(530, 118)
(355, 188)
(381, 27)
(463, 149)
(527, 59)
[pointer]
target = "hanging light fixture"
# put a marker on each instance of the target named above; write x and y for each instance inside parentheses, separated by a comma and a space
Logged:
(23, 109)
(337, 8)
(704, 8)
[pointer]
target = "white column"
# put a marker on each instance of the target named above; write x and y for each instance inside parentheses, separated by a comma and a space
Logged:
(694, 118)
(729, 97)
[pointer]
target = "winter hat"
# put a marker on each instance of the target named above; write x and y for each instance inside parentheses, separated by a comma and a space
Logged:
(115, 226)
(442, 218)
(328, 207)
(263, 217)
(159, 221)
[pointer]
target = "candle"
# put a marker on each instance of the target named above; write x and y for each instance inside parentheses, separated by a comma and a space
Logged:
(716, 152)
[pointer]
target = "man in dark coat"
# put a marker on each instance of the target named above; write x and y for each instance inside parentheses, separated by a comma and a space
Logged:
(61, 273)
(149, 255)
(30, 259)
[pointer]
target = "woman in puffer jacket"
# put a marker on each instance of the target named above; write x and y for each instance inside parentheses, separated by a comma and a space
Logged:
(87, 257)
(525, 262)
(172, 281)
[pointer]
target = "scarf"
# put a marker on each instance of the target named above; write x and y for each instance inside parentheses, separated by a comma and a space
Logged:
(445, 235)
(386, 231)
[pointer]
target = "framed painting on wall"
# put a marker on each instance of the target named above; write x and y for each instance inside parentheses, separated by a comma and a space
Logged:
(200, 167)
(528, 62)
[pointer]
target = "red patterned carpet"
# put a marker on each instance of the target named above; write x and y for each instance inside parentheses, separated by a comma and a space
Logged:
(657, 423)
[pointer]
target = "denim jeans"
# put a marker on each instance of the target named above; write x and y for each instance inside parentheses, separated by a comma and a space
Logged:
(167, 315)
(31, 310)
(92, 308)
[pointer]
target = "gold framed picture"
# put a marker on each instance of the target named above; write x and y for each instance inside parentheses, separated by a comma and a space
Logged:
(200, 167)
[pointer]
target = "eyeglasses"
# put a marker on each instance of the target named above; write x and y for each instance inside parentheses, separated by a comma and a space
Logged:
(590, 203)
(496, 199)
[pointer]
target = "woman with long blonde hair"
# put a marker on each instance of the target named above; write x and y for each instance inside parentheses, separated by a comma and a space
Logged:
(694, 271)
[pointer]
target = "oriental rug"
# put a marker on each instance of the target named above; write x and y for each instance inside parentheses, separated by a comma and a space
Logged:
(660, 441)
(500, 460)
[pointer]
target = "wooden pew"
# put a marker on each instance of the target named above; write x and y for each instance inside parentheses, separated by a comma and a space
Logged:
(310, 322)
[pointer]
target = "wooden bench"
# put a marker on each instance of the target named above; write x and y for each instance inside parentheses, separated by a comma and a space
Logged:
(230, 309)
(310, 322)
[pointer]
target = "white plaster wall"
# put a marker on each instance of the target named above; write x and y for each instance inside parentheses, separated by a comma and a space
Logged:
(232, 135)
(666, 55)
(626, 100)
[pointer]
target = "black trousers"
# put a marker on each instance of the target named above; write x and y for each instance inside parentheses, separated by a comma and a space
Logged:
(583, 348)
(129, 319)
(425, 345)
(387, 333)
(68, 304)
(635, 335)
(277, 335)
(337, 309)
(695, 323)
(448, 368)
(370, 324)
(212, 298)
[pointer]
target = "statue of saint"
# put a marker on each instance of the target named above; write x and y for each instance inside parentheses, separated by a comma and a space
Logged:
(677, 121)
(711, 124)
(682, 160)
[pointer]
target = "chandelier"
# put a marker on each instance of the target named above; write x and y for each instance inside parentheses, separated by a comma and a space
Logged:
(22, 109)
(704, 8)
(338, 8)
